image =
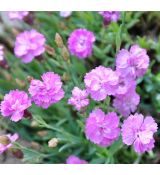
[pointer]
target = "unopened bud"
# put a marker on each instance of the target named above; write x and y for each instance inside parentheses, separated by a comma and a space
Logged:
(29, 19)
(27, 114)
(17, 153)
(35, 145)
(29, 78)
(4, 140)
(53, 142)
(15, 31)
(50, 50)
(62, 26)
(34, 124)
(42, 133)
(58, 40)
(65, 54)
(65, 77)
(7, 76)
(21, 83)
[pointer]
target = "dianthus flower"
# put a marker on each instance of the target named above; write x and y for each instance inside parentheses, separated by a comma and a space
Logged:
(132, 63)
(127, 103)
(101, 82)
(110, 16)
(65, 14)
(124, 85)
(47, 92)
(17, 14)
(75, 160)
(14, 105)
(9, 139)
(79, 98)
(138, 131)
(102, 129)
(80, 43)
(29, 45)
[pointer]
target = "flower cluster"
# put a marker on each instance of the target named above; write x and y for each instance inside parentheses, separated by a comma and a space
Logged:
(43, 94)
(75, 160)
(120, 83)
(102, 129)
(14, 105)
(47, 92)
(110, 16)
(80, 43)
(28, 45)
(6, 142)
(101, 82)
(17, 14)
(129, 65)
(79, 98)
(138, 131)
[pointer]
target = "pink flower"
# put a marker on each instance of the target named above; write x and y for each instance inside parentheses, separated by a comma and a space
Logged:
(124, 85)
(110, 16)
(101, 82)
(79, 98)
(1, 53)
(47, 92)
(138, 131)
(65, 14)
(12, 138)
(102, 129)
(80, 43)
(133, 63)
(127, 103)
(29, 45)
(17, 14)
(75, 160)
(14, 105)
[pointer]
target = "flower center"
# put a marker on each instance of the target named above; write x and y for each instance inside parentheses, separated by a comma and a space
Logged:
(82, 41)
(121, 83)
(16, 105)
